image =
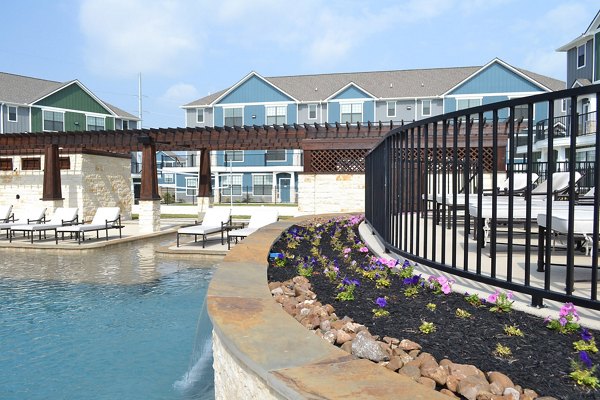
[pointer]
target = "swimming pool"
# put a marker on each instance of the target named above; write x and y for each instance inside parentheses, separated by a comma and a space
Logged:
(129, 328)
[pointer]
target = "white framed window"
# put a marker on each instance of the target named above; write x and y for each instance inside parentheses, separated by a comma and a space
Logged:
(168, 178)
(581, 56)
(95, 123)
(53, 121)
(312, 111)
(125, 124)
(233, 116)
(425, 108)
(262, 185)
(391, 109)
(231, 185)
(351, 112)
(233, 156)
(191, 186)
(563, 105)
(12, 114)
(462, 104)
(276, 115)
(275, 155)
(200, 115)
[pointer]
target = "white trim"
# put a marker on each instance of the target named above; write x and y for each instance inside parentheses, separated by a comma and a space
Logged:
(331, 98)
(284, 156)
(316, 112)
(244, 79)
(285, 116)
(197, 113)
(261, 174)
(171, 176)
(227, 177)
(188, 187)
(8, 113)
(87, 124)
(486, 66)
(584, 46)
(387, 109)
(268, 168)
(256, 103)
(588, 32)
(469, 98)
(234, 152)
(482, 95)
(279, 185)
(351, 103)
(563, 105)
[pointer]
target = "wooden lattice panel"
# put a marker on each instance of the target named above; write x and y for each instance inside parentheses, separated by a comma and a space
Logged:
(327, 161)
(418, 154)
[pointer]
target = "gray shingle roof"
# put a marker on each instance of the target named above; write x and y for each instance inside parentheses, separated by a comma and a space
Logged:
(381, 84)
(18, 89)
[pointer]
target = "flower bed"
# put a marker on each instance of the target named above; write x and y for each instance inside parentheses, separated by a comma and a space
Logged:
(393, 302)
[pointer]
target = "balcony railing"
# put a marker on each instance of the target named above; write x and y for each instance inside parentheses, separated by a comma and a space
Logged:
(586, 125)
(431, 197)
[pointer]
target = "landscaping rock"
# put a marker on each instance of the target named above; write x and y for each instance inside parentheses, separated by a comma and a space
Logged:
(438, 374)
(449, 393)
(343, 337)
(408, 345)
(430, 383)
(501, 379)
(512, 393)
(471, 386)
(529, 394)
(411, 371)
(330, 336)
(347, 347)
(363, 346)
(395, 364)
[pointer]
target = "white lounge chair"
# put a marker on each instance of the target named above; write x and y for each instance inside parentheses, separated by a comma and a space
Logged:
(34, 215)
(104, 219)
(560, 184)
(216, 219)
(6, 214)
(583, 226)
(260, 217)
(62, 216)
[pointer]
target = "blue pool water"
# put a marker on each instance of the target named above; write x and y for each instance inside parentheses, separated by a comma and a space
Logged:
(148, 338)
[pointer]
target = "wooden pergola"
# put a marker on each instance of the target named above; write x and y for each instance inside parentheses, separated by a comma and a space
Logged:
(341, 141)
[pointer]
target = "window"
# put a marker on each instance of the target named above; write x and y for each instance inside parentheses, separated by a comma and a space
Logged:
(64, 163)
(6, 164)
(461, 104)
(12, 114)
(425, 107)
(125, 125)
(231, 185)
(191, 186)
(262, 185)
(234, 156)
(581, 56)
(351, 112)
(391, 108)
(200, 115)
(521, 111)
(31, 164)
(276, 115)
(563, 105)
(233, 116)
(168, 178)
(53, 121)
(312, 111)
(95, 123)
(275, 155)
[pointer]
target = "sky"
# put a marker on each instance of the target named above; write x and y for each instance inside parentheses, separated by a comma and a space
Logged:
(186, 49)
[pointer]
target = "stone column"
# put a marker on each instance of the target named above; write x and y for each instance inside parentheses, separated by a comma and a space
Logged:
(149, 198)
(204, 187)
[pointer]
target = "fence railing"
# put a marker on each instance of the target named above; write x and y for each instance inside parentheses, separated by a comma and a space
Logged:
(431, 198)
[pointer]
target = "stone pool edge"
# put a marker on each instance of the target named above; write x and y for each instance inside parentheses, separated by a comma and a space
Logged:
(261, 352)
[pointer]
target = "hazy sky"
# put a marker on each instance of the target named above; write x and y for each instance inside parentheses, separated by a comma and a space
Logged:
(186, 49)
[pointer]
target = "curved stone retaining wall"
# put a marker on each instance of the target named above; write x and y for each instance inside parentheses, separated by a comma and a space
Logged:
(260, 352)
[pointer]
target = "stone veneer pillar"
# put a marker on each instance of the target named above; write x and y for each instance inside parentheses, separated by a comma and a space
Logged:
(203, 205)
(149, 216)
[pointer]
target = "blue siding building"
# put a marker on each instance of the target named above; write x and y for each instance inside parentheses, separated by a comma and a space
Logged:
(398, 96)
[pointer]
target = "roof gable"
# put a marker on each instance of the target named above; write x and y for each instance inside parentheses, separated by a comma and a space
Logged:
(497, 77)
(74, 96)
(350, 91)
(585, 36)
(253, 89)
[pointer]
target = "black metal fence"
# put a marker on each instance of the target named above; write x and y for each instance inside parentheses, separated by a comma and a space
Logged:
(431, 196)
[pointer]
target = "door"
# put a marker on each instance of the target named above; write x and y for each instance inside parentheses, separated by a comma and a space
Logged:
(284, 190)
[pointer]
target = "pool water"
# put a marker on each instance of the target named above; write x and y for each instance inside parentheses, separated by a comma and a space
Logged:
(103, 339)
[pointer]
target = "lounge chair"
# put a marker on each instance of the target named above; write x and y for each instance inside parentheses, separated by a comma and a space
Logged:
(560, 184)
(215, 220)
(104, 219)
(6, 214)
(260, 217)
(34, 215)
(62, 216)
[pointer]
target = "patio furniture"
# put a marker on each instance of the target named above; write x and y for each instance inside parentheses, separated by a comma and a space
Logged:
(260, 217)
(34, 215)
(104, 219)
(62, 216)
(560, 184)
(216, 219)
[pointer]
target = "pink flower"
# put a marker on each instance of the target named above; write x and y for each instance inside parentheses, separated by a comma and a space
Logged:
(347, 250)
(446, 289)
(492, 298)
(563, 321)
(364, 249)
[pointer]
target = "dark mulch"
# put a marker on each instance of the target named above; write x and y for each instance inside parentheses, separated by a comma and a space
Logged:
(541, 359)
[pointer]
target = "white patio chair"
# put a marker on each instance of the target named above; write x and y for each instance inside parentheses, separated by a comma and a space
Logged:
(104, 219)
(216, 219)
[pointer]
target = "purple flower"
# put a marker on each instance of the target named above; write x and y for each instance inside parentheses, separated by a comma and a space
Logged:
(562, 321)
(585, 358)
(381, 302)
(548, 319)
(586, 335)
(412, 281)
